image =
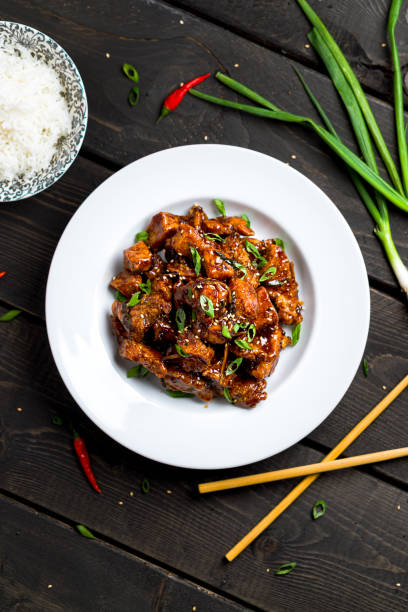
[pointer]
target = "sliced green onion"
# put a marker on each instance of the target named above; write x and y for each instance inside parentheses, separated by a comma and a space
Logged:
(215, 237)
(246, 219)
(227, 395)
(135, 299)
(84, 531)
(10, 315)
(181, 351)
(133, 96)
(233, 366)
(135, 371)
(225, 332)
(144, 372)
(57, 420)
(251, 333)
(196, 260)
(131, 72)
(220, 205)
(173, 393)
(241, 268)
(146, 287)
(193, 315)
(268, 274)
(206, 305)
(319, 508)
(365, 367)
(286, 568)
(180, 319)
(244, 324)
(296, 334)
(190, 293)
(142, 236)
(145, 486)
(243, 344)
(251, 248)
(280, 243)
(120, 297)
(236, 327)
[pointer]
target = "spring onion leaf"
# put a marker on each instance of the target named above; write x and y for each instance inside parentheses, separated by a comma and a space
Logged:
(173, 393)
(233, 366)
(225, 332)
(146, 287)
(84, 531)
(251, 333)
(243, 344)
(296, 334)
(241, 268)
(220, 205)
(181, 351)
(268, 274)
(190, 293)
(196, 260)
(120, 297)
(286, 568)
(57, 420)
(246, 219)
(365, 367)
(180, 319)
(280, 243)
(145, 486)
(10, 315)
(144, 372)
(215, 237)
(227, 396)
(251, 248)
(142, 236)
(135, 371)
(135, 299)
(206, 305)
(131, 72)
(319, 508)
(133, 96)
(236, 327)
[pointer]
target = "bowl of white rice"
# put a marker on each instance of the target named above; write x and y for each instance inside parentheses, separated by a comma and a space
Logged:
(43, 111)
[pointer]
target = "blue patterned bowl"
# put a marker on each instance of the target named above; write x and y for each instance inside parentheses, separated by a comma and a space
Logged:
(46, 49)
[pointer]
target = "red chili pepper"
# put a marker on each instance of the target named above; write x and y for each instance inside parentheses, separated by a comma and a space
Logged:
(83, 457)
(173, 100)
(2, 273)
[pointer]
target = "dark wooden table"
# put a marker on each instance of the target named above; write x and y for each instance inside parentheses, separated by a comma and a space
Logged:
(164, 550)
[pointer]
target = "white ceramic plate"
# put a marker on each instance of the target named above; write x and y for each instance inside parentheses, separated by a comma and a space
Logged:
(310, 379)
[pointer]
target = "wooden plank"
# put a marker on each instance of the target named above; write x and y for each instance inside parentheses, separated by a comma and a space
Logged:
(359, 549)
(358, 26)
(150, 34)
(60, 570)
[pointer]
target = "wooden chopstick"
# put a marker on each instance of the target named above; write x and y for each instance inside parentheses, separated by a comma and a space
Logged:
(306, 482)
(302, 470)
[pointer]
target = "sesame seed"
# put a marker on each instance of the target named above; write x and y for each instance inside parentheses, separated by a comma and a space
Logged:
(268, 570)
(384, 387)
(293, 156)
(398, 584)
(169, 491)
(107, 55)
(398, 507)
(50, 586)
(205, 137)
(19, 410)
(181, 22)
(236, 65)
(307, 46)
(120, 503)
(181, 84)
(383, 44)
(131, 493)
(194, 608)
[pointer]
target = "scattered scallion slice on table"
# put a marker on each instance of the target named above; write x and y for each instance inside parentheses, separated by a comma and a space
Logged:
(220, 205)
(131, 72)
(365, 367)
(10, 315)
(57, 420)
(84, 531)
(145, 486)
(319, 508)
(286, 568)
(133, 95)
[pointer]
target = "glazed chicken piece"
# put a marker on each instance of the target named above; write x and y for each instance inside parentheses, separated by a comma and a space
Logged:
(163, 331)
(147, 356)
(181, 267)
(267, 315)
(139, 319)
(137, 258)
(158, 267)
(186, 238)
(199, 354)
(126, 282)
(161, 227)
(246, 392)
(282, 287)
(227, 225)
(196, 217)
(187, 382)
(164, 286)
(243, 299)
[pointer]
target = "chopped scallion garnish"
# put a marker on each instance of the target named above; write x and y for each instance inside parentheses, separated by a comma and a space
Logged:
(131, 72)
(365, 367)
(319, 508)
(145, 486)
(220, 205)
(286, 568)
(10, 315)
(241, 268)
(280, 243)
(181, 351)
(206, 305)
(227, 396)
(133, 96)
(146, 287)
(295, 334)
(251, 332)
(233, 366)
(135, 371)
(246, 219)
(268, 274)
(142, 236)
(84, 531)
(225, 332)
(196, 260)
(174, 393)
(180, 319)
(120, 297)
(243, 344)
(215, 237)
(135, 299)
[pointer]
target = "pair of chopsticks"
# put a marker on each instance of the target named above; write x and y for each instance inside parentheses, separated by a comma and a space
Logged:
(311, 472)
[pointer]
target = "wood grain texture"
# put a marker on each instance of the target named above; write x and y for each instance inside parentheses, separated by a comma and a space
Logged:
(358, 26)
(358, 547)
(166, 52)
(47, 565)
